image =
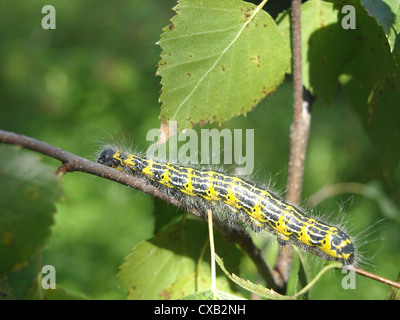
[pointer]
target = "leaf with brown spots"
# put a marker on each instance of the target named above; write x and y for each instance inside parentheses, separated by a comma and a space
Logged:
(171, 265)
(220, 56)
(387, 15)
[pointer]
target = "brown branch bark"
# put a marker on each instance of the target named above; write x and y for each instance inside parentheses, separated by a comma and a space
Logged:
(299, 132)
(374, 276)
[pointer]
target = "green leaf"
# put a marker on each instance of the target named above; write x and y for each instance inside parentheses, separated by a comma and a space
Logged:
(175, 263)
(387, 15)
(219, 59)
(379, 115)
(29, 191)
(383, 127)
(323, 39)
(221, 295)
(208, 295)
(373, 61)
(200, 295)
(371, 80)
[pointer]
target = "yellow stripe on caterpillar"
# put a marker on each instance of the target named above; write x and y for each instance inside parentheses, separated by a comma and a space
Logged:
(243, 199)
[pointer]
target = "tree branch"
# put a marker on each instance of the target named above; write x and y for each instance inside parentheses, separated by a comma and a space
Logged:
(72, 162)
(299, 132)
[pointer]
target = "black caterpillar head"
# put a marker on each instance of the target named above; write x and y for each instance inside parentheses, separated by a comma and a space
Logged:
(106, 158)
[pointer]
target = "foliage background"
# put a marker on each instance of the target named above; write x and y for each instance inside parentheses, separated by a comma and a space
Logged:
(94, 77)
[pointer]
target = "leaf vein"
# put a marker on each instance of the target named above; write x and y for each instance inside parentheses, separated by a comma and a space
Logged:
(196, 34)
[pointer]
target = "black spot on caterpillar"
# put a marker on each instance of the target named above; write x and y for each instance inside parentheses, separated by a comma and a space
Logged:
(245, 201)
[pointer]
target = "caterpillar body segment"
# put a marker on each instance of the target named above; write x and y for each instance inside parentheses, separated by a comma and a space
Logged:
(245, 202)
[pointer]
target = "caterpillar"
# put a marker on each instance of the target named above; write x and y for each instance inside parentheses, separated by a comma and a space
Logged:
(244, 200)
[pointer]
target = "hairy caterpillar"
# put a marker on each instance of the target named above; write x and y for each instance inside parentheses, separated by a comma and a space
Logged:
(244, 200)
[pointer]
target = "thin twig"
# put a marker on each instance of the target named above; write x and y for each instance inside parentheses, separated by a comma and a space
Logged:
(374, 276)
(301, 116)
(72, 162)
(299, 132)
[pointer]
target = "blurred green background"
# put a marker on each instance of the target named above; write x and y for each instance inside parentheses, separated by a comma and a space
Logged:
(93, 78)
